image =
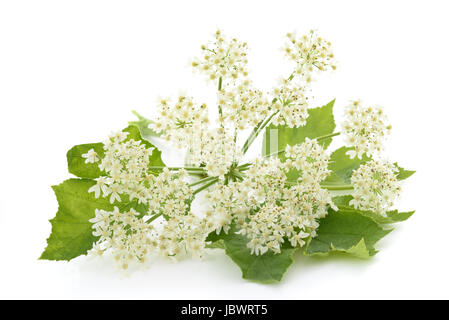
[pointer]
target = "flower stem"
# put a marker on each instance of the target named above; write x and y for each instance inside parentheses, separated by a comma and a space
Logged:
(256, 132)
(206, 185)
(328, 136)
(202, 181)
(176, 168)
(338, 187)
(154, 218)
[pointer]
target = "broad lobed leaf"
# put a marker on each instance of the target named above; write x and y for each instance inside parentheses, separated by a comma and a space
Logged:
(266, 268)
(71, 234)
(344, 230)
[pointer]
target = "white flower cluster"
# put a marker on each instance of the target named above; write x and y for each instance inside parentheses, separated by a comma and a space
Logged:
(182, 122)
(375, 186)
(267, 208)
(291, 104)
(123, 234)
(310, 159)
(309, 51)
(281, 210)
(365, 129)
(216, 150)
(243, 105)
(183, 235)
(125, 163)
(223, 58)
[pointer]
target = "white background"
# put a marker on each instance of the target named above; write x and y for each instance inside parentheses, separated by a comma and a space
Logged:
(71, 72)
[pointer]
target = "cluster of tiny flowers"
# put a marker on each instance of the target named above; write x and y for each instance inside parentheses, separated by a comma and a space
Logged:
(123, 234)
(365, 129)
(310, 159)
(183, 235)
(181, 122)
(291, 104)
(216, 150)
(309, 51)
(279, 210)
(125, 163)
(243, 105)
(167, 193)
(376, 186)
(223, 59)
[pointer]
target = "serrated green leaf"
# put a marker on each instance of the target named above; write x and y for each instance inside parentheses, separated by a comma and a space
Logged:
(71, 234)
(342, 167)
(145, 131)
(343, 231)
(391, 216)
(403, 174)
(319, 123)
(77, 164)
(266, 268)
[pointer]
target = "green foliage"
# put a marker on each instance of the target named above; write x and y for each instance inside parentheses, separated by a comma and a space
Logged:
(319, 123)
(391, 216)
(71, 234)
(346, 231)
(142, 123)
(77, 164)
(266, 268)
(342, 167)
(71, 230)
(403, 174)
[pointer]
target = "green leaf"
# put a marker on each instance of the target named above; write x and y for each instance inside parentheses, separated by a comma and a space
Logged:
(403, 174)
(71, 234)
(342, 167)
(142, 124)
(77, 164)
(266, 268)
(346, 231)
(393, 216)
(319, 123)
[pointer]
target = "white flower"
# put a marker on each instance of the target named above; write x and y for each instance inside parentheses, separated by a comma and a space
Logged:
(309, 52)
(222, 58)
(365, 129)
(375, 186)
(123, 234)
(91, 156)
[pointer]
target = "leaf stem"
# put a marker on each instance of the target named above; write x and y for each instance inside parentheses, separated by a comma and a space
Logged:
(202, 181)
(154, 218)
(176, 168)
(256, 132)
(338, 187)
(206, 185)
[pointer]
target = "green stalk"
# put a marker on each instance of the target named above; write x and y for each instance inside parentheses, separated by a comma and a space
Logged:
(154, 218)
(202, 181)
(206, 186)
(176, 168)
(256, 132)
(338, 187)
